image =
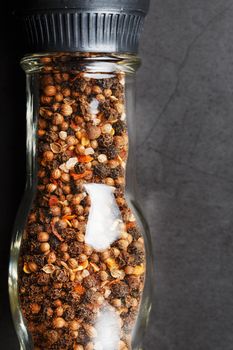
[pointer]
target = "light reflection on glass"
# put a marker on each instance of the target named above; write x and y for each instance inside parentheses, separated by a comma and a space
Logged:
(108, 329)
(93, 106)
(105, 223)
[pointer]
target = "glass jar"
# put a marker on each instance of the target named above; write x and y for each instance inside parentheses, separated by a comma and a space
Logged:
(80, 267)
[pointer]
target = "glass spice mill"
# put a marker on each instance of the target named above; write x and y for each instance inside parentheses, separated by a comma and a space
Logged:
(80, 269)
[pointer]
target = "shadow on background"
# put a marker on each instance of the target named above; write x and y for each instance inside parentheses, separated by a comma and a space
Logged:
(12, 145)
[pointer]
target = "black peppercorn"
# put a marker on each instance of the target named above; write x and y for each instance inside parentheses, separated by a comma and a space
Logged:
(89, 281)
(43, 279)
(85, 313)
(61, 276)
(115, 172)
(111, 152)
(101, 170)
(79, 168)
(105, 140)
(134, 232)
(69, 314)
(75, 249)
(120, 290)
(119, 127)
(54, 242)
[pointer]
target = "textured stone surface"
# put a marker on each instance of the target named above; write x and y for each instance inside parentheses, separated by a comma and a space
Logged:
(184, 167)
(185, 89)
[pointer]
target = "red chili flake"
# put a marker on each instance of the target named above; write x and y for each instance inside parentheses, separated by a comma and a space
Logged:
(53, 200)
(73, 125)
(123, 154)
(80, 176)
(56, 234)
(68, 217)
(84, 159)
(130, 225)
(79, 289)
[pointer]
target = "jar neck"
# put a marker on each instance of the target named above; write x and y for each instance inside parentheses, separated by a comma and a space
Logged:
(89, 62)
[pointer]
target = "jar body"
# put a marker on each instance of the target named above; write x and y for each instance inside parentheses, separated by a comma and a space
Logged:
(80, 256)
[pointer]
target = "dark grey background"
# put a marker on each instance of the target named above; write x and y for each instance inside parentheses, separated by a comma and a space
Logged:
(184, 168)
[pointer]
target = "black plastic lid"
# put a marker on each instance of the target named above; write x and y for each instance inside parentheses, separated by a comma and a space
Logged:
(84, 25)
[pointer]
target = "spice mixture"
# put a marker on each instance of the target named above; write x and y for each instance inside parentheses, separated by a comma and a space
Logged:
(73, 295)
